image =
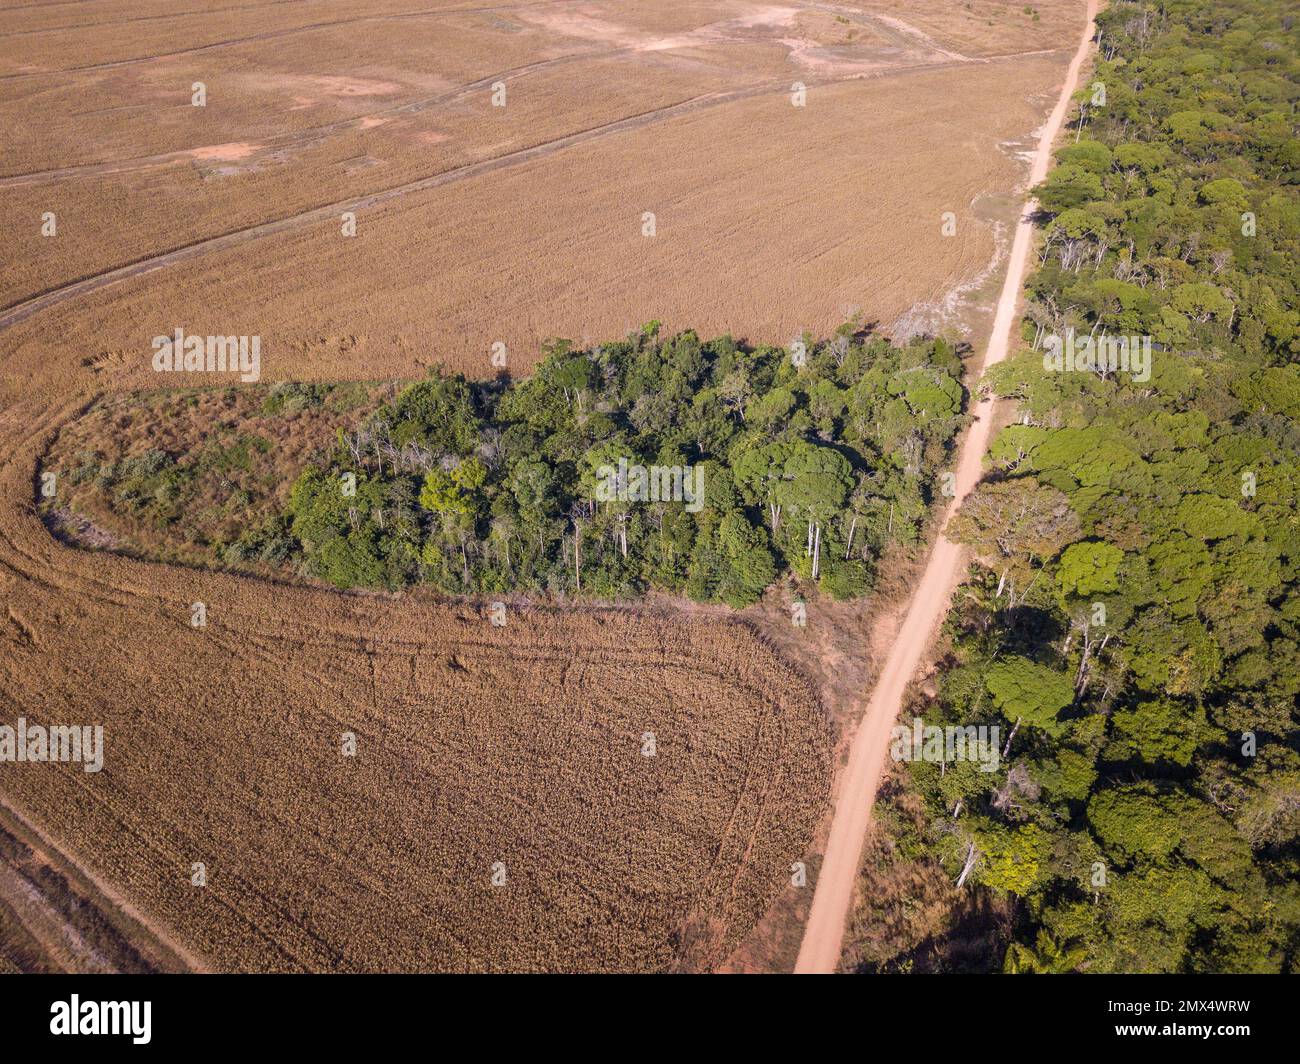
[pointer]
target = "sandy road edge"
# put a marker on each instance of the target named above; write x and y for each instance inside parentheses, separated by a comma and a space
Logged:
(823, 937)
(163, 939)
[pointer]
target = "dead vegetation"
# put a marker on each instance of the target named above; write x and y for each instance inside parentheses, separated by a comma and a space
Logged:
(476, 745)
(500, 813)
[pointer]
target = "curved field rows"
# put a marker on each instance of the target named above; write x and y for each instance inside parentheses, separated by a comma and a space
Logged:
(521, 745)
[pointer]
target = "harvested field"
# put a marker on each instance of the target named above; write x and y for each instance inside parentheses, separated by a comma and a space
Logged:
(476, 745)
(514, 223)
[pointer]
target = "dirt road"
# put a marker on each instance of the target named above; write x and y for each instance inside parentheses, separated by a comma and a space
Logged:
(823, 936)
(62, 917)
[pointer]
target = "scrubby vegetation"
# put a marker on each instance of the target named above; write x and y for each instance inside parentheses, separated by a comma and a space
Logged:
(201, 476)
(1133, 625)
(810, 462)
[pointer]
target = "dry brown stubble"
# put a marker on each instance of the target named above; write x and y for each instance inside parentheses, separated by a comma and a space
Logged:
(772, 220)
(476, 745)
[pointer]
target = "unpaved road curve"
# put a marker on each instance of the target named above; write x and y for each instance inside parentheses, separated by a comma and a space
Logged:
(823, 936)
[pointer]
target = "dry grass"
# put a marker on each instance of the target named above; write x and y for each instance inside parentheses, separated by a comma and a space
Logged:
(477, 744)
(771, 219)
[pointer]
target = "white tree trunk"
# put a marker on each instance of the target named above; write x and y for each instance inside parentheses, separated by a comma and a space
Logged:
(971, 858)
(1007, 749)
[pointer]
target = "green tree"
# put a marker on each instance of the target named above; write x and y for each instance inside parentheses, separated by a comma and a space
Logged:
(1025, 691)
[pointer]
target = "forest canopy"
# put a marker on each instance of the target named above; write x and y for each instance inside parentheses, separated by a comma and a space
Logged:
(1132, 623)
(808, 461)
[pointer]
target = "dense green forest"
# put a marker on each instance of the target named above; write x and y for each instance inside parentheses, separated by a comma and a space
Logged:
(810, 460)
(1133, 625)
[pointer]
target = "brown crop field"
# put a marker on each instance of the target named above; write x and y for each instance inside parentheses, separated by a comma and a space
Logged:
(483, 753)
(515, 752)
(175, 475)
(477, 223)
